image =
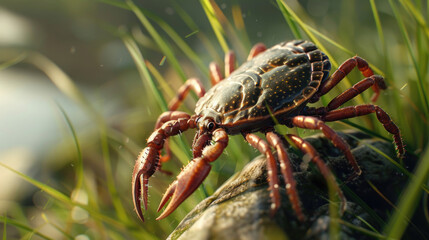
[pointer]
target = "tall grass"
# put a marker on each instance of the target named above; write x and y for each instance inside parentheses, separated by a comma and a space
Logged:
(395, 42)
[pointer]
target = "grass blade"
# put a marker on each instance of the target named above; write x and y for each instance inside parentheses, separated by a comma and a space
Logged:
(409, 5)
(4, 227)
(133, 49)
(115, 3)
(216, 25)
(421, 85)
(408, 202)
(237, 16)
(361, 230)
(179, 42)
(21, 226)
(164, 86)
(65, 199)
(289, 20)
(49, 190)
(144, 72)
(60, 80)
(166, 49)
(79, 162)
(201, 36)
(241, 46)
(13, 61)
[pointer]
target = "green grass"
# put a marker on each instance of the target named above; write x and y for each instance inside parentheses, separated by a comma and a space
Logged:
(394, 40)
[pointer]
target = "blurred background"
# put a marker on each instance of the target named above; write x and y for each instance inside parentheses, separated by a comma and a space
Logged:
(76, 108)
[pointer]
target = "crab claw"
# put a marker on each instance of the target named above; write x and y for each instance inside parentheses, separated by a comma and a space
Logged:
(187, 182)
(146, 165)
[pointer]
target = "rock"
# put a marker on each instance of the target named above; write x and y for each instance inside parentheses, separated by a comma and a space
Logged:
(239, 209)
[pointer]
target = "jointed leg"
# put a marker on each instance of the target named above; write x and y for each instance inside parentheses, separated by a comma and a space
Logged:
(344, 70)
(256, 50)
(215, 73)
(193, 174)
(317, 124)
(355, 90)
(286, 170)
(264, 148)
(192, 83)
(163, 118)
(168, 116)
(306, 147)
(229, 63)
(382, 116)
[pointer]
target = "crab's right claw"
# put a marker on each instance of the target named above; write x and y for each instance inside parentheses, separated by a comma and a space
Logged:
(144, 168)
(187, 182)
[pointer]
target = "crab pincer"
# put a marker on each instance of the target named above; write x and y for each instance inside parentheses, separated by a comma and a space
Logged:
(144, 168)
(194, 173)
(187, 182)
(148, 161)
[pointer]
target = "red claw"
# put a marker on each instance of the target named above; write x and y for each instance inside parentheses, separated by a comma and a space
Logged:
(187, 182)
(144, 168)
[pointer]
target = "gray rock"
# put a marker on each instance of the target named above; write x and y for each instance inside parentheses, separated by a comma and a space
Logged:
(239, 209)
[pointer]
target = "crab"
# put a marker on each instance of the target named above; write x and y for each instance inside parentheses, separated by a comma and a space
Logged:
(274, 86)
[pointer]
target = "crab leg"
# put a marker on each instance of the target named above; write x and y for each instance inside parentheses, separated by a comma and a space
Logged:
(355, 90)
(192, 83)
(264, 148)
(308, 122)
(344, 70)
(148, 160)
(286, 170)
(256, 50)
(215, 73)
(382, 116)
(165, 117)
(306, 147)
(229, 63)
(193, 174)
(168, 116)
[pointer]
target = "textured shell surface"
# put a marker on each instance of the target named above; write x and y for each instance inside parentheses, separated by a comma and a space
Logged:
(278, 80)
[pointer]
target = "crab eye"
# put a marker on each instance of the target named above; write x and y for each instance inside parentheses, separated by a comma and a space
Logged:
(210, 126)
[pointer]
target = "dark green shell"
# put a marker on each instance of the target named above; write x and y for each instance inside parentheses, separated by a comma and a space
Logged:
(282, 78)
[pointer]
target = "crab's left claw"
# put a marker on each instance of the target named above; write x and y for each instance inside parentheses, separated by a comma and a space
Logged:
(144, 168)
(187, 182)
